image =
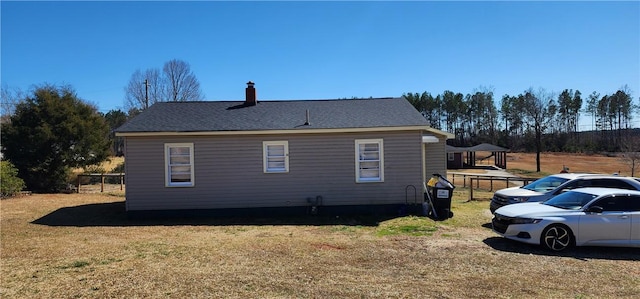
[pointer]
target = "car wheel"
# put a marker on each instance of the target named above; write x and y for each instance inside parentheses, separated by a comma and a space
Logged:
(557, 237)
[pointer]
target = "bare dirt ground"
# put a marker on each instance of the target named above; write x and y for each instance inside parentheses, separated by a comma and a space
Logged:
(553, 163)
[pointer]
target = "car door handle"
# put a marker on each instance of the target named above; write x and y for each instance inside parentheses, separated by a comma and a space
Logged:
(624, 217)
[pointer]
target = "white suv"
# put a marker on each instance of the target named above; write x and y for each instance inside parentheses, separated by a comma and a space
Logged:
(548, 187)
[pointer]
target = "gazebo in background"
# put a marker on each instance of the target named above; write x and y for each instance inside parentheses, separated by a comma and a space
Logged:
(456, 157)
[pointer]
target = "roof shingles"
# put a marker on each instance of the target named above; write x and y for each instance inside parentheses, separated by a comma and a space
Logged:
(274, 115)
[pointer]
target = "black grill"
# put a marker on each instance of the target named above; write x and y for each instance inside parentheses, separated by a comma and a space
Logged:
(500, 223)
(499, 199)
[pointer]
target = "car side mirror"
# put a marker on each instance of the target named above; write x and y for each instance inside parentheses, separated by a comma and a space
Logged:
(595, 209)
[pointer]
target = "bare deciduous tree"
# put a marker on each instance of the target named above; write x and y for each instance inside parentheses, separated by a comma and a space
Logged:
(631, 152)
(176, 82)
(181, 83)
(136, 91)
(539, 110)
(9, 99)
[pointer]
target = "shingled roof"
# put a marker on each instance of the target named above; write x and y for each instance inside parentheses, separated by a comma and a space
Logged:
(207, 116)
(483, 147)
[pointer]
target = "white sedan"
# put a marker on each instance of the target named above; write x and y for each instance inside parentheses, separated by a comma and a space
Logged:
(581, 217)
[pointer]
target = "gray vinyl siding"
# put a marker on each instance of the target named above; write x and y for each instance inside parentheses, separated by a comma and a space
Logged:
(229, 171)
(435, 158)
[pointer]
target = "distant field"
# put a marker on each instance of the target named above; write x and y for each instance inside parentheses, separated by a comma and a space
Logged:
(84, 246)
(553, 162)
(524, 165)
(112, 163)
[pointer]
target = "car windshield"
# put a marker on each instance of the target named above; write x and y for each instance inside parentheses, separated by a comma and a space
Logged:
(545, 184)
(571, 200)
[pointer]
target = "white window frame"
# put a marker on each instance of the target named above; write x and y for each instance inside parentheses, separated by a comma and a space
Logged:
(167, 168)
(266, 157)
(360, 159)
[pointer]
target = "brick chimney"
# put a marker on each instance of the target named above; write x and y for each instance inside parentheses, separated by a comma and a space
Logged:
(251, 95)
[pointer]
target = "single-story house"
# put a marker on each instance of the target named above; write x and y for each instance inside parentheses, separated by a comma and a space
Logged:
(306, 155)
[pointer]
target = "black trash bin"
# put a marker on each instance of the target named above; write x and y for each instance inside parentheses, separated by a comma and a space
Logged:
(438, 197)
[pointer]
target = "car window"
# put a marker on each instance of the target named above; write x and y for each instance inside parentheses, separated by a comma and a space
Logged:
(612, 183)
(573, 185)
(634, 203)
(613, 203)
(584, 183)
(545, 184)
(572, 200)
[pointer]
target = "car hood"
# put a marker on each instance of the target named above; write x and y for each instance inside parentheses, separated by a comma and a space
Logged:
(532, 209)
(518, 191)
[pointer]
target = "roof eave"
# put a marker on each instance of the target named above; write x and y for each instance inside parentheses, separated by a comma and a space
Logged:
(283, 132)
(440, 132)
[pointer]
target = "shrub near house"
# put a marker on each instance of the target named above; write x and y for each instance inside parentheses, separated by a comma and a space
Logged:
(10, 183)
(50, 132)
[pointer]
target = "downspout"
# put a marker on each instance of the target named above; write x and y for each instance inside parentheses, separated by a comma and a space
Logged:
(126, 177)
(424, 162)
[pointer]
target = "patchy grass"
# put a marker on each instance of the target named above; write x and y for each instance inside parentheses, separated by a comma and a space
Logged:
(75, 264)
(550, 163)
(84, 246)
(409, 226)
(525, 173)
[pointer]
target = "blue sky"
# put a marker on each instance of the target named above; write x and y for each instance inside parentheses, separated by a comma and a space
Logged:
(324, 50)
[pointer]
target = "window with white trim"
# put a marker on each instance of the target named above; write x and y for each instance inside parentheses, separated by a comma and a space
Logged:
(369, 160)
(275, 156)
(179, 165)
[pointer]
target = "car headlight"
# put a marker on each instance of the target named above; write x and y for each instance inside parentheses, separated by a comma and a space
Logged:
(525, 220)
(520, 199)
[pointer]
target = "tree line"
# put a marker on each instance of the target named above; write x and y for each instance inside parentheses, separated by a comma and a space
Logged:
(534, 120)
(518, 122)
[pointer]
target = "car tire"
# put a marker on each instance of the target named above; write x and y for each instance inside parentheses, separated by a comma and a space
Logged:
(557, 237)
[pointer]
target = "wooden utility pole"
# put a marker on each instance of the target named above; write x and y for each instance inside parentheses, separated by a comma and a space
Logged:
(146, 94)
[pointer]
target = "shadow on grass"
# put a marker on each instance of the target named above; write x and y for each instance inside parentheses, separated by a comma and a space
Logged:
(581, 253)
(114, 214)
